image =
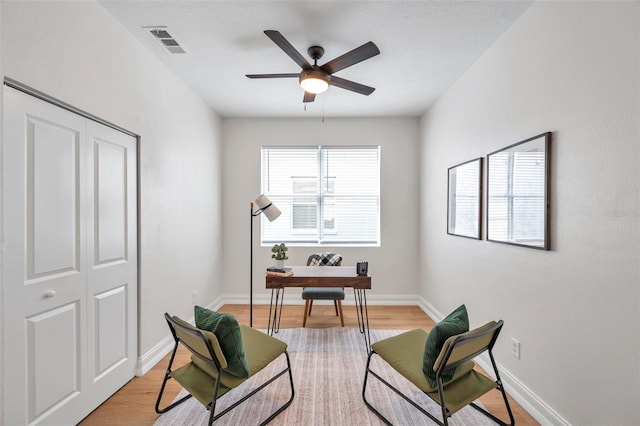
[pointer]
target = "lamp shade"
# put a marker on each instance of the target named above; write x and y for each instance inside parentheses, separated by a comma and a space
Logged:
(266, 206)
(314, 81)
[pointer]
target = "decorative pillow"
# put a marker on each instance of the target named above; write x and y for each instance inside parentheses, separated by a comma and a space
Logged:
(227, 330)
(456, 322)
(327, 259)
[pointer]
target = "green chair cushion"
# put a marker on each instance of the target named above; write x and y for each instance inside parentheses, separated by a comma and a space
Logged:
(404, 352)
(260, 348)
(459, 393)
(227, 330)
(456, 322)
(197, 382)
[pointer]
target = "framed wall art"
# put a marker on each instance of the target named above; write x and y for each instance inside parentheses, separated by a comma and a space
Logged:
(465, 199)
(518, 193)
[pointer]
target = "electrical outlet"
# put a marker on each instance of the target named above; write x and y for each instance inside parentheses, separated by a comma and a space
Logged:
(515, 348)
(195, 297)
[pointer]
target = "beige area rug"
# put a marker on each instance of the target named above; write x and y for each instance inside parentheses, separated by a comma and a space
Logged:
(328, 367)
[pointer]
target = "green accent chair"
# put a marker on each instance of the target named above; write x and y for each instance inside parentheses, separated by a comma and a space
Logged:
(404, 353)
(203, 377)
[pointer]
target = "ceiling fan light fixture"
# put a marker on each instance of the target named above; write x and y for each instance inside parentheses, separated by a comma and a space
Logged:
(314, 81)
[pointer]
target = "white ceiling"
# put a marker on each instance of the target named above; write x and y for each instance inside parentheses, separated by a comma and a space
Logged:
(425, 47)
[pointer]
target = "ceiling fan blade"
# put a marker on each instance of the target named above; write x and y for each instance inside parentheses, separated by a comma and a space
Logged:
(358, 54)
(287, 75)
(288, 48)
(309, 97)
(351, 85)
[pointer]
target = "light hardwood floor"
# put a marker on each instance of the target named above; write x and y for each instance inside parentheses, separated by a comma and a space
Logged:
(134, 403)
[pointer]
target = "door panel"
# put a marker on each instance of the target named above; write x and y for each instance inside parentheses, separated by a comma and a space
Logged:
(53, 188)
(111, 202)
(44, 258)
(53, 353)
(111, 330)
(70, 317)
(112, 256)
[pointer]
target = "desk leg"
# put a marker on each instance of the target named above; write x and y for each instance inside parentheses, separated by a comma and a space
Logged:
(363, 315)
(273, 325)
(277, 325)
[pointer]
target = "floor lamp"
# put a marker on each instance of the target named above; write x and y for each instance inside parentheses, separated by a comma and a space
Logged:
(264, 205)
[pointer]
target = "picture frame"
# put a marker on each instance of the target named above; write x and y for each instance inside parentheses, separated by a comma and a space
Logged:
(517, 205)
(464, 194)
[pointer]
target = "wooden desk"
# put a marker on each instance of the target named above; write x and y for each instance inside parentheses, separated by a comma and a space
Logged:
(321, 276)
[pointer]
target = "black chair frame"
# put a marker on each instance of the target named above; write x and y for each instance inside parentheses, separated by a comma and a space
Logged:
(211, 407)
(445, 365)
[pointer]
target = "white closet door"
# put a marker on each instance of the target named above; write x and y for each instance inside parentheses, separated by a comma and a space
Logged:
(112, 258)
(69, 333)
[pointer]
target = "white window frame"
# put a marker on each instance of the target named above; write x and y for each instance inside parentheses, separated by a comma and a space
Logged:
(281, 193)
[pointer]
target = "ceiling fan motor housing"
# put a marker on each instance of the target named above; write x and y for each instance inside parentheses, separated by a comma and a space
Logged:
(315, 73)
(315, 52)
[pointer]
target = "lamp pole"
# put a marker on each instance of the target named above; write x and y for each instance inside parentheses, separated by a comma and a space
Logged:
(251, 270)
(271, 212)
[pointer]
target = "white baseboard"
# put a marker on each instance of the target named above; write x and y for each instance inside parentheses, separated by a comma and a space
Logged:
(528, 400)
(429, 309)
(532, 404)
(149, 359)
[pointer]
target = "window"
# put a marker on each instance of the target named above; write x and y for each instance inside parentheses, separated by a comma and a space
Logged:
(517, 204)
(327, 195)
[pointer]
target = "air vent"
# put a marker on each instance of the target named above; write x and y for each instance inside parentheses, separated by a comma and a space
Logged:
(160, 34)
(166, 39)
(169, 42)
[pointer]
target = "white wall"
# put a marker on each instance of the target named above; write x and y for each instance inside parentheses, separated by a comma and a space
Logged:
(77, 53)
(571, 68)
(2, 384)
(574, 69)
(392, 265)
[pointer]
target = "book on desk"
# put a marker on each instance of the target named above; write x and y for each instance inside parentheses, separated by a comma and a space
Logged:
(272, 271)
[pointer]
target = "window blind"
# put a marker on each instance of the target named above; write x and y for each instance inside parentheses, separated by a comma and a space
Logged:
(465, 210)
(327, 195)
(517, 197)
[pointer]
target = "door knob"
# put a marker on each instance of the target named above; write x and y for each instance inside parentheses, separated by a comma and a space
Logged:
(50, 293)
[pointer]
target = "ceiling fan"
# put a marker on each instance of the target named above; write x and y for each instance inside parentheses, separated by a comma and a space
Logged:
(315, 79)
